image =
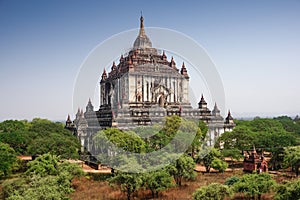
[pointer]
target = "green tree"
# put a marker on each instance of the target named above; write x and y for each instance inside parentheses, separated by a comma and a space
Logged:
(46, 178)
(288, 191)
(157, 181)
(44, 165)
(254, 185)
(231, 180)
(267, 134)
(9, 126)
(219, 165)
(240, 138)
(114, 148)
(289, 124)
(188, 136)
(214, 191)
(13, 187)
(233, 153)
(170, 128)
(203, 127)
(182, 168)
(191, 128)
(41, 188)
(277, 159)
(292, 158)
(270, 133)
(125, 140)
(17, 139)
(72, 169)
(265, 125)
(129, 182)
(52, 137)
(274, 142)
(207, 156)
(147, 133)
(7, 159)
(36, 187)
(44, 126)
(63, 144)
(172, 125)
(16, 134)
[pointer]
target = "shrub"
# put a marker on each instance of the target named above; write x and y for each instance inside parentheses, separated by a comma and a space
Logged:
(231, 180)
(214, 191)
(219, 165)
(254, 185)
(288, 190)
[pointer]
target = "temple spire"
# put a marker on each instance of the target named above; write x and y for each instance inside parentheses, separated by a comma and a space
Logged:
(69, 123)
(216, 111)
(164, 57)
(142, 30)
(89, 106)
(69, 119)
(104, 75)
(173, 64)
(229, 118)
(202, 103)
(114, 66)
(142, 40)
(184, 71)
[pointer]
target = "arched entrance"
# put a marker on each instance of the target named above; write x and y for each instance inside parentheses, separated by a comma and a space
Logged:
(161, 100)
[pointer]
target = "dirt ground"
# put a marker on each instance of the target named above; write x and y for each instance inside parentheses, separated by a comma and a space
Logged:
(92, 190)
(89, 189)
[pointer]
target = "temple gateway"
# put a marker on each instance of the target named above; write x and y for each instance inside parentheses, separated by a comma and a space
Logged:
(142, 89)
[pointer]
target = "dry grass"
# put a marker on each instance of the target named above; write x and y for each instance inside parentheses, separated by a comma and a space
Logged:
(97, 190)
(90, 189)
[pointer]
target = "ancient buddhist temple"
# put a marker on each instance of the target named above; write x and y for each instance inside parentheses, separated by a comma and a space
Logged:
(254, 161)
(141, 89)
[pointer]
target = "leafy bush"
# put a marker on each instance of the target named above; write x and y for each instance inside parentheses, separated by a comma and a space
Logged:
(12, 185)
(43, 165)
(39, 137)
(219, 165)
(46, 178)
(36, 188)
(73, 169)
(7, 159)
(157, 181)
(231, 180)
(254, 185)
(214, 191)
(183, 167)
(129, 182)
(288, 191)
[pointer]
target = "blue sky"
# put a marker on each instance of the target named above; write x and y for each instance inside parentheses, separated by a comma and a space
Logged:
(254, 44)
